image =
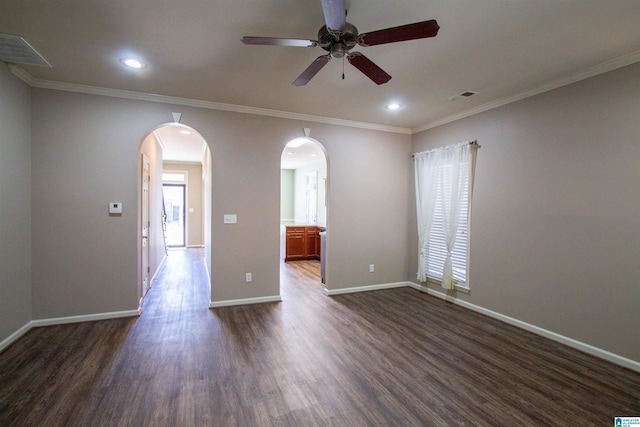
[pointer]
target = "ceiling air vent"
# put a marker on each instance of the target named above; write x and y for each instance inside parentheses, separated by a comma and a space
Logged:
(17, 50)
(465, 94)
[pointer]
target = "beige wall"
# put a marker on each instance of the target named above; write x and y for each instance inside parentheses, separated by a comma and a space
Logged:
(366, 219)
(194, 223)
(86, 152)
(15, 204)
(555, 237)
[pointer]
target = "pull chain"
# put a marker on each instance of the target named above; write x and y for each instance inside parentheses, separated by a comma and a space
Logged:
(343, 68)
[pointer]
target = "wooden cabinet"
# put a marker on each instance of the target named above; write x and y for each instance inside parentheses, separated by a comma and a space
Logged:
(296, 243)
(302, 242)
(313, 237)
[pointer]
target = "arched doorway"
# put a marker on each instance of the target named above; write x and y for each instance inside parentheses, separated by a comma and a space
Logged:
(175, 155)
(303, 204)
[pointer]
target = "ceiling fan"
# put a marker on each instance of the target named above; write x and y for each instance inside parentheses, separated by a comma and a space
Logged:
(338, 37)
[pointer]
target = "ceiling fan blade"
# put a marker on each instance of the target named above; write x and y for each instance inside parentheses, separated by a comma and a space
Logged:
(312, 70)
(335, 14)
(419, 30)
(368, 68)
(275, 41)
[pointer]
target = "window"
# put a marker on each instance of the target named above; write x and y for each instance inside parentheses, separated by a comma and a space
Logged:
(444, 180)
(436, 248)
(173, 176)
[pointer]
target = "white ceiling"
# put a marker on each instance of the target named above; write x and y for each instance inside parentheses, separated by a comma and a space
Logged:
(503, 49)
(181, 147)
(297, 157)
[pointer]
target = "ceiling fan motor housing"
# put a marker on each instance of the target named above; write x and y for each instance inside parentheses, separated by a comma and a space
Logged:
(338, 43)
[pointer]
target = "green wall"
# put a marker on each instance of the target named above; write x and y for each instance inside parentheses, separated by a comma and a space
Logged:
(286, 193)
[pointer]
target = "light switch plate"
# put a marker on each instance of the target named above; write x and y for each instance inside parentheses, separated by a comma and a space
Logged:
(230, 218)
(115, 208)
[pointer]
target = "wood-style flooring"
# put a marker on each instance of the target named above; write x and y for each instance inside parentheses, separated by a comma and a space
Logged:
(393, 357)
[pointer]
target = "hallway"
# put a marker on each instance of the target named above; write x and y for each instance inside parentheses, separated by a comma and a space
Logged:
(180, 285)
(390, 357)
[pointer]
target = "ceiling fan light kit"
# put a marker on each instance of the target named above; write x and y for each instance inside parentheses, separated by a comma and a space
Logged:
(338, 37)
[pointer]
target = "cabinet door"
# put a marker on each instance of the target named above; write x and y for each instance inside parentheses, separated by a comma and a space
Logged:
(319, 245)
(296, 247)
(313, 239)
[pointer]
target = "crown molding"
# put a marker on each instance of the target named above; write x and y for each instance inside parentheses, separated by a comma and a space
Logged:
(605, 67)
(141, 96)
(21, 74)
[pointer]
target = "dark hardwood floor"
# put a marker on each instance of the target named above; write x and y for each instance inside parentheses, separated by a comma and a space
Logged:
(392, 358)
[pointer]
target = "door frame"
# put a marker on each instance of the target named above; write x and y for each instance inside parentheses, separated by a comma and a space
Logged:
(145, 258)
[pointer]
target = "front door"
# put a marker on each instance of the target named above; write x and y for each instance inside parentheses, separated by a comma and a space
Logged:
(174, 203)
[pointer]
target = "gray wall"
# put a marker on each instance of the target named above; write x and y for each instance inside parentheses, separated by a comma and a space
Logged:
(86, 153)
(15, 203)
(555, 237)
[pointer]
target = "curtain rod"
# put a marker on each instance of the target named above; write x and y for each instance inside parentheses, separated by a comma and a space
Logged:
(474, 142)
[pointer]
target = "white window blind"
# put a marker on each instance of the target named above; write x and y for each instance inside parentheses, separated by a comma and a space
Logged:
(435, 250)
(444, 183)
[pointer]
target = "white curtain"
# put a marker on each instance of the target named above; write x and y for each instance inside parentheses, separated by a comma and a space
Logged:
(445, 171)
(425, 174)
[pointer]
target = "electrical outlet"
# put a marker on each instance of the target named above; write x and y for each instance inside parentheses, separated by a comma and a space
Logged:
(371, 269)
(247, 277)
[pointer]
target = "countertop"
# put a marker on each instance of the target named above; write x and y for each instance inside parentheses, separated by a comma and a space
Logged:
(301, 224)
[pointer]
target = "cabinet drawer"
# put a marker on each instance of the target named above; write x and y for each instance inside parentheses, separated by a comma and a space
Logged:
(295, 230)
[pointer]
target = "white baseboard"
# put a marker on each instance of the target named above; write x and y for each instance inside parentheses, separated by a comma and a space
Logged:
(367, 288)
(153, 278)
(14, 336)
(578, 345)
(84, 318)
(230, 302)
(206, 269)
(155, 273)
(64, 320)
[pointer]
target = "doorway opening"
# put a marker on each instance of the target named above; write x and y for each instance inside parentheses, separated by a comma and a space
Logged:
(174, 203)
(303, 209)
(174, 208)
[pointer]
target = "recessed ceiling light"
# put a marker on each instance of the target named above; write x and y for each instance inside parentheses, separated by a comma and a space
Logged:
(132, 63)
(393, 106)
(185, 132)
(298, 142)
